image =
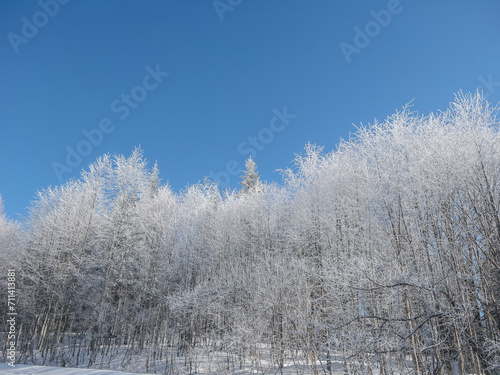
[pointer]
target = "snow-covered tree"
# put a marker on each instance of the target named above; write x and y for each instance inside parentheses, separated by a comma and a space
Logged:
(154, 180)
(12, 242)
(384, 251)
(251, 178)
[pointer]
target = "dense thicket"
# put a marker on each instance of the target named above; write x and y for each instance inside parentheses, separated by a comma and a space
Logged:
(384, 254)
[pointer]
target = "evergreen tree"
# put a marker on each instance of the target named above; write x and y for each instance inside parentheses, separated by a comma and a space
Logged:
(251, 178)
(154, 180)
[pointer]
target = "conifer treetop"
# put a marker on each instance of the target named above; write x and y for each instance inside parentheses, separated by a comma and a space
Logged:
(251, 178)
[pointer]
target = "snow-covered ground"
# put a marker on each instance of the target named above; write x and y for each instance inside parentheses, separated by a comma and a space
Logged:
(20, 369)
(203, 367)
(208, 359)
(5, 369)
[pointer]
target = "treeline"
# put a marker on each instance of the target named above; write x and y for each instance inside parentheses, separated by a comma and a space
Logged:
(384, 254)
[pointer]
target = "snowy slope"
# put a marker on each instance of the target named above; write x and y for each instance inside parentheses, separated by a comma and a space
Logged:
(32, 370)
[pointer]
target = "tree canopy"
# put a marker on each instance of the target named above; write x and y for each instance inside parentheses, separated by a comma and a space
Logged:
(383, 254)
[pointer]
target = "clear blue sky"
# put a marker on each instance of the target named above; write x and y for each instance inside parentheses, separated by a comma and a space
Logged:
(231, 69)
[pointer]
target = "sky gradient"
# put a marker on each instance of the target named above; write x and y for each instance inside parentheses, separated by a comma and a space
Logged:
(202, 85)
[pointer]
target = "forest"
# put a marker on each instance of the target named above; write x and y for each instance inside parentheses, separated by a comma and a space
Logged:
(379, 257)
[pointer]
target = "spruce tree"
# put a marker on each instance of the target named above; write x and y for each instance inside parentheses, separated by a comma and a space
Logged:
(251, 178)
(154, 180)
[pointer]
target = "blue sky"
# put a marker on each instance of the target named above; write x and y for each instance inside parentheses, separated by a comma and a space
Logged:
(191, 81)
